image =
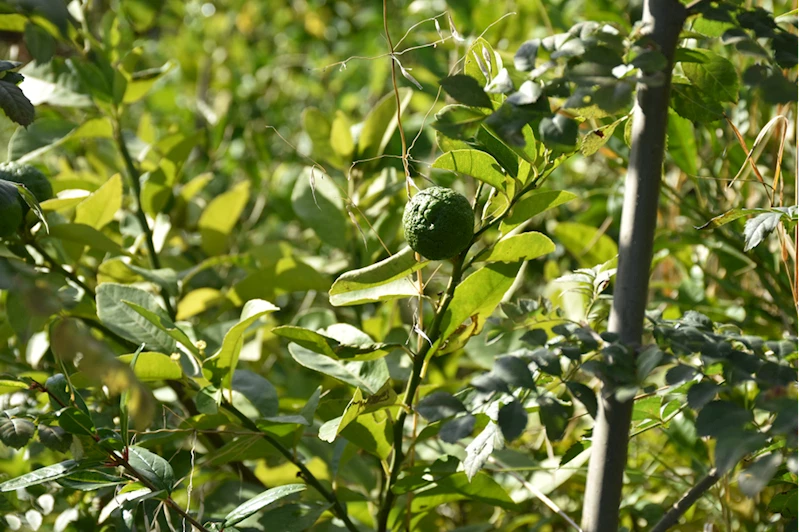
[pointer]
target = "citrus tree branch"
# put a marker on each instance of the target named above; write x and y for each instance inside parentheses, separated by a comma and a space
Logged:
(55, 266)
(410, 391)
(339, 509)
(686, 501)
(135, 183)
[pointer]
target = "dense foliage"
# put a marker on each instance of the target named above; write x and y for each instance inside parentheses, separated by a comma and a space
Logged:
(210, 315)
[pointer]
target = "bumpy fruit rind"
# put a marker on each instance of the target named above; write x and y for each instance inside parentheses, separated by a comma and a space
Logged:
(11, 214)
(31, 177)
(438, 223)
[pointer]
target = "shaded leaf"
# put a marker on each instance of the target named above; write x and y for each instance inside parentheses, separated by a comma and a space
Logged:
(438, 406)
(512, 419)
(466, 90)
(259, 502)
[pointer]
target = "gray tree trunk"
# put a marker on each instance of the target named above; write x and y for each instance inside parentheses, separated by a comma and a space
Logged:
(663, 21)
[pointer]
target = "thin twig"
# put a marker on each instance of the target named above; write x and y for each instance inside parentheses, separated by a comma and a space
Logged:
(680, 507)
(55, 266)
(539, 495)
(339, 509)
(135, 182)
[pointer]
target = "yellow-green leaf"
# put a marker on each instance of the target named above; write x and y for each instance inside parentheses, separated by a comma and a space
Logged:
(152, 366)
(221, 216)
(100, 207)
(525, 246)
(477, 164)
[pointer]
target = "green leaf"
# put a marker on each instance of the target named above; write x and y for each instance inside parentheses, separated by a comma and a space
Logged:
(152, 467)
(477, 296)
(593, 141)
(559, 132)
(76, 422)
(339, 341)
(139, 83)
(259, 502)
(15, 104)
(475, 64)
(318, 128)
(55, 438)
(554, 416)
(477, 164)
(369, 375)
(691, 103)
(357, 406)
(118, 316)
(258, 391)
(702, 393)
(371, 432)
(507, 156)
(31, 201)
(163, 323)
(512, 420)
(459, 486)
(90, 480)
(480, 449)
(758, 228)
(525, 246)
(732, 444)
(466, 90)
(380, 124)
(585, 395)
(756, 477)
(438, 406)
(381, 281)
(40, 476)
(718, 416)
(10, 386)
(341, 137)
(586, 243)
(714, 76)
(513, 371)
(87, 236)
(16, 432)
(293, 517)
(317, 203)
(152, 367)
(533, 204)
(41, 136)
(458, 121)
(221, 216)
(682, 143)
(226, 359)
(101, 206)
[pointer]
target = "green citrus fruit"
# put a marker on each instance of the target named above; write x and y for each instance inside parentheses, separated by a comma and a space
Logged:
(438, 222)
(10, 209)
(27, 175)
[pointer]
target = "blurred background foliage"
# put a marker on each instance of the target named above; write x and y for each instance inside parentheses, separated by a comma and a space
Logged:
(228, 101)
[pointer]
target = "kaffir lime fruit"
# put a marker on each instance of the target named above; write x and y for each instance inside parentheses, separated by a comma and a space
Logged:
(10, 209)
(27, 175)
(438, 222)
